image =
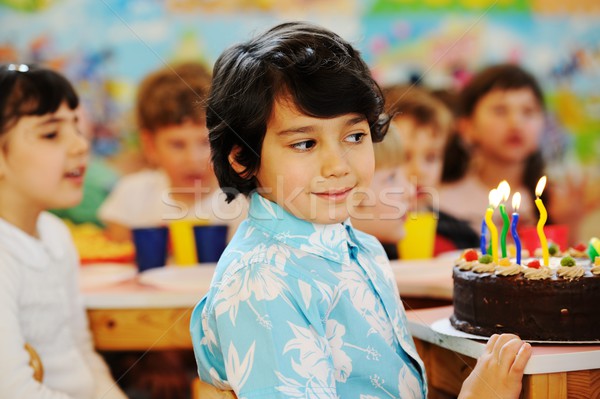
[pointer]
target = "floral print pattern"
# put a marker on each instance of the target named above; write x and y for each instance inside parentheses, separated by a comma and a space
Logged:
(300, 310)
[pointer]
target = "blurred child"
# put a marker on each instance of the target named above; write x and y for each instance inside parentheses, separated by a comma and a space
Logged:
(302, 304)
(99, 181)
(383, 213)
(425, 124)
(171, 117)
(43, 158)
(500, 125)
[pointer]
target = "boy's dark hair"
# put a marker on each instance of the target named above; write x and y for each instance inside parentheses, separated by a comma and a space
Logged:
(27, 90)
(496, 77)
(172, 95)
(320, 72)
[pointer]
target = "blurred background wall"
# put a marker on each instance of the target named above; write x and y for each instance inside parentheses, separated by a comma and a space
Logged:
(106, 46)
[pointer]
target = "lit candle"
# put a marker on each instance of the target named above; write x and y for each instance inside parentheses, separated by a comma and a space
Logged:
(539, 189)
(516, 201)
(494, 198)
(504, 191)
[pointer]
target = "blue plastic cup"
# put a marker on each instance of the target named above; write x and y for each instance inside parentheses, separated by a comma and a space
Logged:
(150, 247)
(210, 242)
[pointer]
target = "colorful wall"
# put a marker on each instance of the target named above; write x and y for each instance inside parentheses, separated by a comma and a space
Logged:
(106, 46)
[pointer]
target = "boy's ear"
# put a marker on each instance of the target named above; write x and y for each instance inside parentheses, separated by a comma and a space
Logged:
(148, 146)
(2, 161)
(235, 165)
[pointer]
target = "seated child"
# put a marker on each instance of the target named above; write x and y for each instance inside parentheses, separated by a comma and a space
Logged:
(171, 118)
(99, 181)
(425, 124)
(302, 304)
(43, 158)
(383, 213)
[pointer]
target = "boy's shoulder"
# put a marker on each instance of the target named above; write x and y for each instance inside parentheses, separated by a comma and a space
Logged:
(147, 183)
(145, 177)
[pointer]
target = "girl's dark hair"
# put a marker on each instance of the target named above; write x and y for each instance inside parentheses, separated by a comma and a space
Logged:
(28, 90)
(497, 77)
(321, 73)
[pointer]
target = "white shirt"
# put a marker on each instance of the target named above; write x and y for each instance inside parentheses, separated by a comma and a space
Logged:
(40, 304)
(143, 199)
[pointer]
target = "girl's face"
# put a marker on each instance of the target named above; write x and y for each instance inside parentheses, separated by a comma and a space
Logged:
(183, 152)
(43, 161)
(506, 125)
(313, 167)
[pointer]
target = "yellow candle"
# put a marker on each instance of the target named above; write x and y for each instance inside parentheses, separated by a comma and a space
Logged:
(494, 199)
(539, 189)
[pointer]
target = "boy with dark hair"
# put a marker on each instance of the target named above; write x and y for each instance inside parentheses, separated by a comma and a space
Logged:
(301, 303)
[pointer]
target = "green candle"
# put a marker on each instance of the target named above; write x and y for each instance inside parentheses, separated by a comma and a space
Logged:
(505, 225)
(504, 190)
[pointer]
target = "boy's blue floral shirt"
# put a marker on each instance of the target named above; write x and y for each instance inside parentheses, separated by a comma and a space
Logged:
(300, 310)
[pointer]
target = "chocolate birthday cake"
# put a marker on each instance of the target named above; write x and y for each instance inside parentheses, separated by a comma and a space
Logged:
(556, 303)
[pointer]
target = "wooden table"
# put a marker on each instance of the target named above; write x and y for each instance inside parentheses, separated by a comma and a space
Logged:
(131, 316)
(557, 372)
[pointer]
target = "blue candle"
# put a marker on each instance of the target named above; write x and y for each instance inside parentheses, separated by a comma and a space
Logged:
(482, 243)
(516, 201)
(513, 231)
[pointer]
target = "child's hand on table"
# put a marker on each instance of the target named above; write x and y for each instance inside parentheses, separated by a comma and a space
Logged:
(499, 371)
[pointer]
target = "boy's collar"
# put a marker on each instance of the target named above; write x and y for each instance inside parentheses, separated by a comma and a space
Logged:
(330, 241)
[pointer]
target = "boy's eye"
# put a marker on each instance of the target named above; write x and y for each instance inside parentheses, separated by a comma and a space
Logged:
(304, 145)
(50, 136)
(356, 137)
(530, 111)
(177, 145)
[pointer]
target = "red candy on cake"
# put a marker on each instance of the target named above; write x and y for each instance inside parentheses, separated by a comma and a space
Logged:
(534, 264)
(470, 255)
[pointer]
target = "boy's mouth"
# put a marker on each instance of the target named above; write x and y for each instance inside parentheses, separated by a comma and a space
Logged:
(334, 194)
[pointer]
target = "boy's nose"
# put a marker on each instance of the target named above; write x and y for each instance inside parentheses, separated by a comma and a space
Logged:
(334, 163)
(414, 168)
(196, 154)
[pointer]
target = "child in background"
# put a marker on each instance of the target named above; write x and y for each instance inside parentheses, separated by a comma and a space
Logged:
(171, 117)
(383, 213)
(99, 181)
(500, 125)
(302, 304)
(43, 158)
(424, 124)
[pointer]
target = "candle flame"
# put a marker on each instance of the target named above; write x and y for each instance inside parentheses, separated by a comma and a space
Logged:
(516, 201)
(541, 184)
(494, 197)
(504, 190)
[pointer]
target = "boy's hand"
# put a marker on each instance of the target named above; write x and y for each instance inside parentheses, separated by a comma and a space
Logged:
(499, 371)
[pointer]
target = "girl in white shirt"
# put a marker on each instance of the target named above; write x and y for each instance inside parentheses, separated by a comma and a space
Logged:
(43, 158)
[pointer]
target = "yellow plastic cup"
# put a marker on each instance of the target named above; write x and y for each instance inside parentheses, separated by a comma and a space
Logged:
(420, 236)
(183, 243)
